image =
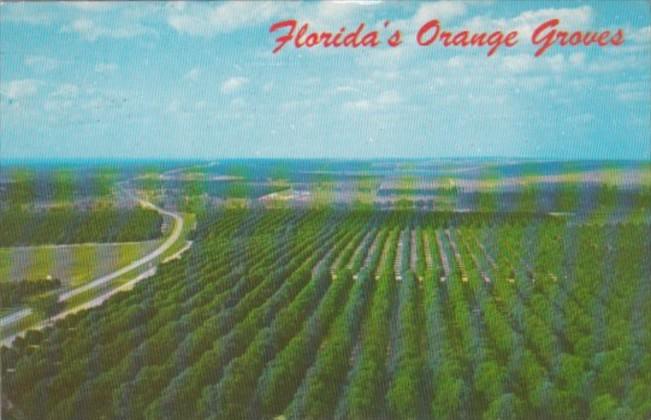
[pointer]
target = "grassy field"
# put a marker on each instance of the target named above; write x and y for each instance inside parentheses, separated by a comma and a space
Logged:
(189, 220)
(73, 264)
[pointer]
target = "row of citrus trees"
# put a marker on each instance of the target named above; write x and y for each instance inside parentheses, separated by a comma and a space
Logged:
(70, 226)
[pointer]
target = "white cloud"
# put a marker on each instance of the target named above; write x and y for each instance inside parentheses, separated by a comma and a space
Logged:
(577, 58)
(174, 106)
(192, 75)
(640, 35)
(23, 13)
(555, 63)
(383, 100)
(389, 97)
(346, 89)
(358, 2)
(457, 62)
(178, 6)
(91, 31)
(91, 6)
(632, 91)
(67, 90)
(84, 27)
(238, 103)
(526, 22)
(19, 89)
(212, 19)
(106, 67)
(43, 63)
(441, 10)
(581, 119)
(384, 74)
(361, 105)
(208, 20)
(387, 57)
(334, 14)
(618, 62)
(518, 63)
(233, 84)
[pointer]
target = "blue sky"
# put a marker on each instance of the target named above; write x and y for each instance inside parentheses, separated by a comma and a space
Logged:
(184, 80)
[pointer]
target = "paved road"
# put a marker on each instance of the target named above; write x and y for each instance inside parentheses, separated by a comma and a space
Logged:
(14, 317)
(176, 233)
(86, 305)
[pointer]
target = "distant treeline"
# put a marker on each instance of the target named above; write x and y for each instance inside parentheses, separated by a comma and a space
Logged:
(69, 226)
(214, 188)
(27, 188)
(385, 192)
(568, 197)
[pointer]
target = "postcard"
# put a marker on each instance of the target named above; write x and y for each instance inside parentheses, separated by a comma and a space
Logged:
(345, 209)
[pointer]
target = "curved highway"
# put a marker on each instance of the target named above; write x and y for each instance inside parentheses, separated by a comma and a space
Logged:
(171, 239)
